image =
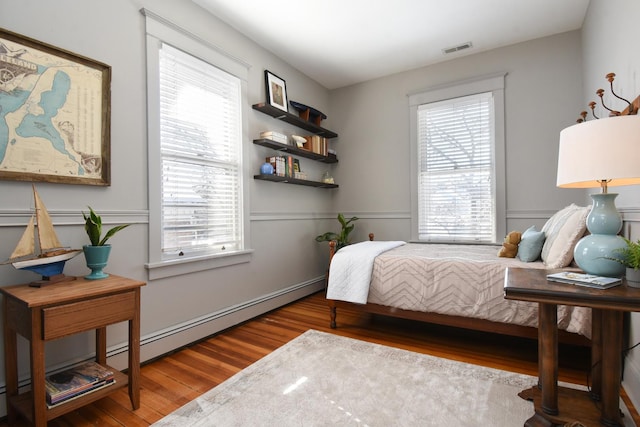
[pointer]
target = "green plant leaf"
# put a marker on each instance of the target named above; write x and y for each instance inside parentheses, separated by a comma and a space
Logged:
(93, 227)
(342, 238)
(111, 232)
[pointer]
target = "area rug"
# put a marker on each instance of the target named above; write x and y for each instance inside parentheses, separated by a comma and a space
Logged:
(320, 379)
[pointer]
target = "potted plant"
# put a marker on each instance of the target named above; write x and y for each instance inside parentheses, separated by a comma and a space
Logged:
(97, 253)
(342, 239)
(630, 258)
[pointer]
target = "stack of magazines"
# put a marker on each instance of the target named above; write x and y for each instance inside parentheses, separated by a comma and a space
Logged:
(582, 279)
(77, 381)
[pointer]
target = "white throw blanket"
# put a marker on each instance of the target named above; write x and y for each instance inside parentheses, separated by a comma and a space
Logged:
(350, 270)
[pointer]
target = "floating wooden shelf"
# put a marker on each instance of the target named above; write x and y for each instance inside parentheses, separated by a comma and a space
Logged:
(294, 120)
(331, 158)
(285, 180)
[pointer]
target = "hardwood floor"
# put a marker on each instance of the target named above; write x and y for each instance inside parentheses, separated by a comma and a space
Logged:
(175, 379)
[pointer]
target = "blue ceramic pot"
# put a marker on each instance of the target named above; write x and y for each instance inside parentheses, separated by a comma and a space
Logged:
(96, 257)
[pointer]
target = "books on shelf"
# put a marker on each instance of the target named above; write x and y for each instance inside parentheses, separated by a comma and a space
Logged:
(274, 136)
(316, 144)
(74, 382)
(285, 166)
(583, 279)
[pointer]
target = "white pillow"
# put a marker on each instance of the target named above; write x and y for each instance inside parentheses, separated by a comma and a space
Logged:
(562, 231)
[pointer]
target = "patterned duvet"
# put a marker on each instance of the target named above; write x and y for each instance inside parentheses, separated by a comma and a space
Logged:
(460, 280)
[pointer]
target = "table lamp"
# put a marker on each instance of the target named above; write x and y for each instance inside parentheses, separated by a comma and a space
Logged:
(600, 153)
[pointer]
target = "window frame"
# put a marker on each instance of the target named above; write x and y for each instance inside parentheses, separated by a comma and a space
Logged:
(159, 31)
(492, 83)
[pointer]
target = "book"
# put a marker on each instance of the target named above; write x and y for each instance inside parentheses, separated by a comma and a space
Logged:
(583, 279)
(274, 136)
(80, 379)
(96, 387)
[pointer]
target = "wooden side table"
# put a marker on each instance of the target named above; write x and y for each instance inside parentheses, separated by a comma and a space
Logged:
(559, 405)
(59, 310)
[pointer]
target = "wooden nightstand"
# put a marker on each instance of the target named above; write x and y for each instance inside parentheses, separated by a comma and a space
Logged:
(58, 310)
(559, 405)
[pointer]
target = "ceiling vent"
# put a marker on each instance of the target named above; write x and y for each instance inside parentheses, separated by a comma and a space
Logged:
(458, 48)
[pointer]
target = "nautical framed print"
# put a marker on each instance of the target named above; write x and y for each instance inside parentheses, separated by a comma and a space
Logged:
(55, 114)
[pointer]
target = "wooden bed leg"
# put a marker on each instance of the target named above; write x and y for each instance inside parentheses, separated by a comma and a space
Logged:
(332, 313)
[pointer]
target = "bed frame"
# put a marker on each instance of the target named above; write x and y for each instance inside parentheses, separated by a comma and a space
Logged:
(446, 320)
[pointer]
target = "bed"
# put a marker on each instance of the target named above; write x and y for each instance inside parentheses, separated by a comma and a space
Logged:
(456, 284)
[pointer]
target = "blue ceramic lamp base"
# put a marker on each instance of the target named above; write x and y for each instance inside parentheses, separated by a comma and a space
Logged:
(593, 253)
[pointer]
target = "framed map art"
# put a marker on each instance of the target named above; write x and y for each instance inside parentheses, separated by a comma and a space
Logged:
(54, 114)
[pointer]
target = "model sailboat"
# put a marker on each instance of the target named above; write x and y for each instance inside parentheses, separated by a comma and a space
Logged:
(49, 258)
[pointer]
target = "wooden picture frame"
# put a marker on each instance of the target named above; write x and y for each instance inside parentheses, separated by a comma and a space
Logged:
(276, 91)
(55, 114)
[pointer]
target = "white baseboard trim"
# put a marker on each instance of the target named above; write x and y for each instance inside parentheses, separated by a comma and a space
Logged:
(631, 383)
(167, 340)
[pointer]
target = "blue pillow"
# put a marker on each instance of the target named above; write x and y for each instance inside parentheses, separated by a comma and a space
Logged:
(530, 246)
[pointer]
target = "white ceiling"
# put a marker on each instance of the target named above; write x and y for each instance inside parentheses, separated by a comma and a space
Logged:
(342, 42)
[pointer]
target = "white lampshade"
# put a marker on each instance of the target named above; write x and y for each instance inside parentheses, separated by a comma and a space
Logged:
(601, 149)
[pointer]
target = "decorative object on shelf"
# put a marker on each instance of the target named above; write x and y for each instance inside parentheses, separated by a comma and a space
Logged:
(601, 153)
(49, 257)
(266, 168)
(630, 259)
(97, 253)
(71, 132)
(307, 113)
(327, 178)
(298, 140)
(276, 91)
(341, 239)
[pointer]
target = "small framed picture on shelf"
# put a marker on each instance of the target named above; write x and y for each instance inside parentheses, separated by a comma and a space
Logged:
(276, 90)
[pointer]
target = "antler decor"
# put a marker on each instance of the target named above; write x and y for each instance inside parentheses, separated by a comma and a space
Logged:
(630, 110)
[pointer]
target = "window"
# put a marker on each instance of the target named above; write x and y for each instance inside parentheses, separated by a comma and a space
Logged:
(200, 140)
(457, 192)
(197, 215)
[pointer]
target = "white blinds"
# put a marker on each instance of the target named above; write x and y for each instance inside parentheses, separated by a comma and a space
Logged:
(456, 188)
(200, 138)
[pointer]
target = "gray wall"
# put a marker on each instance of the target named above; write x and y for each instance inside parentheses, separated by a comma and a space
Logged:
(374, 143)
(544, 93)
(608, 48)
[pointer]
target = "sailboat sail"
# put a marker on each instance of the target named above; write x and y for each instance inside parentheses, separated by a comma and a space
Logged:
(46, 234)
(27, 244)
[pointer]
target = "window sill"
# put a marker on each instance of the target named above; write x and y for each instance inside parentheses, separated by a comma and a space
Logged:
(177, 267)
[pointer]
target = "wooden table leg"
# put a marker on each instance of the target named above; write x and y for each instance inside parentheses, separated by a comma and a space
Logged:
(10, 361)
(134, 354)
(596, 354)
(548, 357)
(38, 370)
(612, 366)
(101, 345)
